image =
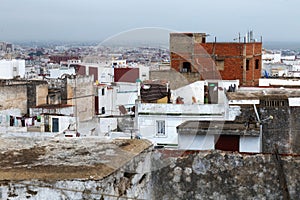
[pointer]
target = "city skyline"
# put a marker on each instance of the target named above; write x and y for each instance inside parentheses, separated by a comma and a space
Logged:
(98, 20)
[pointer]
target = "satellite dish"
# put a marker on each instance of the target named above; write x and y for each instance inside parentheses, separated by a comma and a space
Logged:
(123, 109)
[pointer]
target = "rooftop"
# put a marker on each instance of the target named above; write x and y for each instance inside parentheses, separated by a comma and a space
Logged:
(24, 158)
(218, 127)
(258, 93)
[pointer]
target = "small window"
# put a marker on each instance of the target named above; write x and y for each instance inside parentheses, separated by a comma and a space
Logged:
(220, 64)
(186, 67)
(257, 64)
(103, 91)
(247, 64)
(103, 110)
(160, 128)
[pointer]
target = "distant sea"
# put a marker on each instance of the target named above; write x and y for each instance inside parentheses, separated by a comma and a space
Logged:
(282, 46)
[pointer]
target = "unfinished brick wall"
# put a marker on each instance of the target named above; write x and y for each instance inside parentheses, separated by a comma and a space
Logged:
(203, 57)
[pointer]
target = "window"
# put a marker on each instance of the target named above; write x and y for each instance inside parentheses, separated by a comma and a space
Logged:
(103, 110)
(274, 103)
(257, 64)
(186, 67)
(160, 128)
(247, 64)
(220, 64)
(103, 91)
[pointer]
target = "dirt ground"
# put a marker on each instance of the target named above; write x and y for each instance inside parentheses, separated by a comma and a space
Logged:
(64, 158)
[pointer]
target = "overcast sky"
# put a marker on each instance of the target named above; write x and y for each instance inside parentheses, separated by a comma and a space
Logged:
(95, 20)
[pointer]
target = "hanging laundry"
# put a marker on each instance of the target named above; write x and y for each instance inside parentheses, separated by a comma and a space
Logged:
(28, 121)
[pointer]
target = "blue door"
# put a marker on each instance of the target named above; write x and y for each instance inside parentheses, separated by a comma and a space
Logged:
(55, 125)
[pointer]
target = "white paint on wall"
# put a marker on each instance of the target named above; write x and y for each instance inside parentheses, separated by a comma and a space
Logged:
(294, 101)
(188, 92)
(12, 68)
(63, 122)
(196, 142)
(250, 144)
(57, 73)
(108, 124)
(278, 82)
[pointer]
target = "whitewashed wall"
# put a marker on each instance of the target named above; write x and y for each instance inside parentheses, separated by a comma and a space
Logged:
(195, 90)
(7, 68)
(57, 73)
(281, 82)
(250, 144)
(108, 124)
(196, 142)
(63, 122)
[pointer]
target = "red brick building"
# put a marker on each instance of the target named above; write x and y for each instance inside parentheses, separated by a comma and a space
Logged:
(194, 57)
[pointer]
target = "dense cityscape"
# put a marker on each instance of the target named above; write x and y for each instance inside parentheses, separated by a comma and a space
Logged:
(158, 100)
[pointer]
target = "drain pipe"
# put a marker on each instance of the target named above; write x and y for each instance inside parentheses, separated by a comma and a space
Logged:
(260, 128)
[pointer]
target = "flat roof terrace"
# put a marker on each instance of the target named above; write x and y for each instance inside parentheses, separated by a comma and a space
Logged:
(27, 158)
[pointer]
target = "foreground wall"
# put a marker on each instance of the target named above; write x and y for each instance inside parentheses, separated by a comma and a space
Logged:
(129, 182)
(172, 175)
(219, 175)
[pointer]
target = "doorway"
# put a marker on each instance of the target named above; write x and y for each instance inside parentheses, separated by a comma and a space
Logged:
(228, 143)
(55, 125)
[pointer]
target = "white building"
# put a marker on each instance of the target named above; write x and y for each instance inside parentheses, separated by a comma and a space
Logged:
(112, 98)
(242, 133)
(271, 57)
(158, 122)
(10, 69)
(194, 93)
(59, 72)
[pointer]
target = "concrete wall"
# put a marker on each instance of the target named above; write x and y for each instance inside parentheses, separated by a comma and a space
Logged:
(196, 142)
(144, 73)
(107, 125)
(80, 92)
(41, 94)
(176, 114)
(14, 96)
(148, 130)
(105, 74)
(250, 144)
(63, 111)
(126, 94)
(278, 82)
(206, 109)
(175, 175)
(195, 90)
